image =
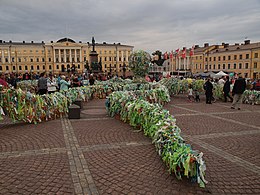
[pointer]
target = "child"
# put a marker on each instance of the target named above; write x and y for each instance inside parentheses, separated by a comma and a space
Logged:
(190, 94)
(197, 96)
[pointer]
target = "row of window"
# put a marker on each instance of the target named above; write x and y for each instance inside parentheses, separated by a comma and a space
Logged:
(223, 66)
(223, 58)
(32, 67)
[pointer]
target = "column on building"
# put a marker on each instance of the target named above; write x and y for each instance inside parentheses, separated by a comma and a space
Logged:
(117, 56)
(75, 53)
(59, 55)
(188, 62)
(3, 57)
(70, 56)
(80, 55)
(9, 56)
(126, 56)
(65, 57)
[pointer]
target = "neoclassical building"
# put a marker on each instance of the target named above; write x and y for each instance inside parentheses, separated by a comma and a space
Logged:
(62, 56)
(241, 58)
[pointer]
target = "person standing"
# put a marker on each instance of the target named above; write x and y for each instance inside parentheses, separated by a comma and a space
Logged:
(42, 84)
(226, 90)
(208, 87)
(237, 92)
(51, 83)
(64, 84)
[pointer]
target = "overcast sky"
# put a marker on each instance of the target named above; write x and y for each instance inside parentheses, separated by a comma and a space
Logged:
(145, 24)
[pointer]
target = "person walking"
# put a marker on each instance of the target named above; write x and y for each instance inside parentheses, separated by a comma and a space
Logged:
(237, 92)
(42, 84)
(52, 85)
(208, 87)
(64, 83)
(226, 90)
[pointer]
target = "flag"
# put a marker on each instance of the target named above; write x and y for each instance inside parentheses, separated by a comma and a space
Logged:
(177, 53)
(165, 55)
(192, 51)
(171, 55)
(183, 55)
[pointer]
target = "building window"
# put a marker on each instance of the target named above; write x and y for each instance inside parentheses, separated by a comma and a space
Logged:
(20, 67)
(240, 65)
(77, 59)
(85, 59)
(210, 59)
(214, 58)
(200, 66)
(19, 60)
(26, 68)
(31, 67)
(246, 74)
(235, 57)
(255, 64)
(38, 67)
(256, 55)
(235, 65)
(196, 66)
(247, 56)
(224, 66)
(214, 66)
(43, 67)
(57, 67)
(246, 65)
(105, 59)
(1, 68)
(6, 67)
(13, 67)
(224, 58)
(119, 58)
(218, 66)
(78, 66)
(228, 66)
(37, 59)
(49, 67)
(206, 59)
(62, 60)
(219, 58)
(68, 59)
(210, 66)
(12, 59)
(206, 66)
(42, 59)
(240, 56)
(229, 57)
(6, 60)
(49, 59)
(200, 57)
(31, 59)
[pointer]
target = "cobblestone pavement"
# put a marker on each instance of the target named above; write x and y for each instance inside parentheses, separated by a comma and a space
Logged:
(101, 155)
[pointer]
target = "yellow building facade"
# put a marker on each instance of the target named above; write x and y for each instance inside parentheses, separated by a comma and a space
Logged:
(238, 58)
(62, 56)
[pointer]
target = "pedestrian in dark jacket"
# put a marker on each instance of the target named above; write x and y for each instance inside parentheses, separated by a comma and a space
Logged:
(226, 90)
(237, 92)
(208, 87)
(42, 84)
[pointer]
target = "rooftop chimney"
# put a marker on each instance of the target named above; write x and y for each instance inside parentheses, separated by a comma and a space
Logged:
(247, 42)
(206, 44)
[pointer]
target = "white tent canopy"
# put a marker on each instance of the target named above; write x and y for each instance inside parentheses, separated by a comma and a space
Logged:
(221, 73)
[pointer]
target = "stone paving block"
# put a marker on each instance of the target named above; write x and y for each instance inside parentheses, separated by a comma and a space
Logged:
(225, 176)
(199, 125)
(108, 131)
(246, 147)
(21, 137)
(112, 170)
(44, 174)
(251, 118)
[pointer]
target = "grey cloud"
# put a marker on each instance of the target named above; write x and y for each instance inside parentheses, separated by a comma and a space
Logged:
(145, 24)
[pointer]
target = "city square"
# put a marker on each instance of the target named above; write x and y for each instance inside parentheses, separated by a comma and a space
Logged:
(97, 154)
